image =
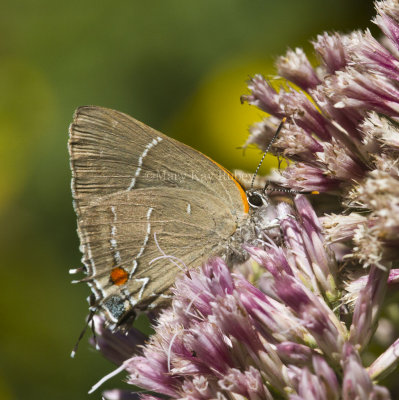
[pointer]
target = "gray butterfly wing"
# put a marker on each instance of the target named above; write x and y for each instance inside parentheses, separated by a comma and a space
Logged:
(138, 241)
(125, 174)
(112, 152)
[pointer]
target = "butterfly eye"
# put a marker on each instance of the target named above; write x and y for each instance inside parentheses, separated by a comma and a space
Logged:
(255, 200)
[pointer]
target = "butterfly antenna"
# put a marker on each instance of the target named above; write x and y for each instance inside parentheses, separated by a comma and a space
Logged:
(267, 150)
(291, 191)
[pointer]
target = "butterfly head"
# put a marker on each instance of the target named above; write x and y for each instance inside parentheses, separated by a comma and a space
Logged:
(257, 198)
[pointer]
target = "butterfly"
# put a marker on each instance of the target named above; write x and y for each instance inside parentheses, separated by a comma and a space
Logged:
(147, 207)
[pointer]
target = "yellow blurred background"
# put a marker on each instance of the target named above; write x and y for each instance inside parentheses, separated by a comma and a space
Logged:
(179, 66)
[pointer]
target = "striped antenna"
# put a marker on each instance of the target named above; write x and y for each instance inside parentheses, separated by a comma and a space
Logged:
(286, 190)
(267, 150)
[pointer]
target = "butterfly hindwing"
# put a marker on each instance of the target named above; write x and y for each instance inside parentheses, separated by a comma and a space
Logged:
(146, 237)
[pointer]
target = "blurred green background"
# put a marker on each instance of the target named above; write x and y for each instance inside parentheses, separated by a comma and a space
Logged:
(179, 66)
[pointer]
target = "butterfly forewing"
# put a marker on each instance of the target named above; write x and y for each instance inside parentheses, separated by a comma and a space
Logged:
(111, 152)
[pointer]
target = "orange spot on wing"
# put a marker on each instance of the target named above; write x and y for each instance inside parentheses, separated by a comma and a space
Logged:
(118, 276)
